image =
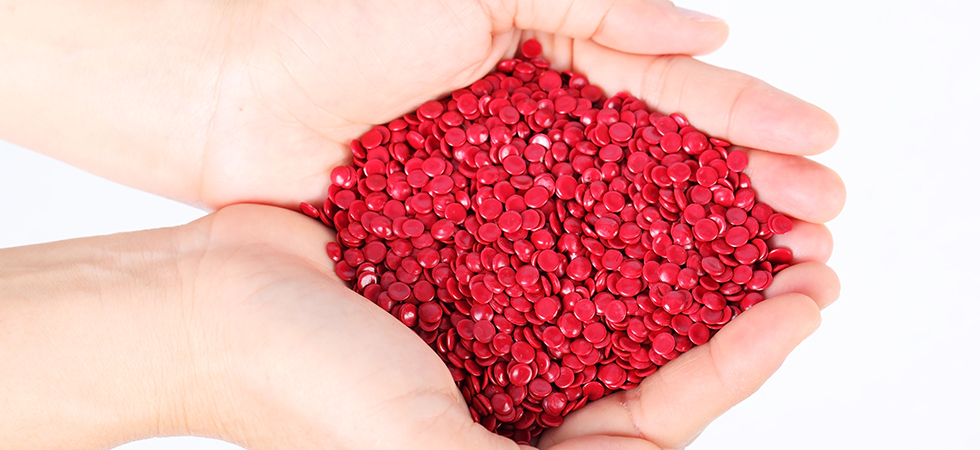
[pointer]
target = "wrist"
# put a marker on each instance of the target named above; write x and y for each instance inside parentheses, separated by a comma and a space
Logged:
(94, 348)
(122, 90)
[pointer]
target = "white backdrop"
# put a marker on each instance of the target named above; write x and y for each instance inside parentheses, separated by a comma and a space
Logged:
(895, 363)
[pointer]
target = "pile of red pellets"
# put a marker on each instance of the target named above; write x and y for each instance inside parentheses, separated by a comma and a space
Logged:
(552, 245)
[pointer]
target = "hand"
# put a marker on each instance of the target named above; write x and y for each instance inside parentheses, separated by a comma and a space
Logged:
(670, 408)
(258, 102)
(258, 120)
(301, 361)
(221, 103)
(318, 75)
(317, 364)
(309, 363)
(235, 327)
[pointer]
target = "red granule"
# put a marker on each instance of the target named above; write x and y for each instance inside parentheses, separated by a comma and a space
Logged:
(550, 244)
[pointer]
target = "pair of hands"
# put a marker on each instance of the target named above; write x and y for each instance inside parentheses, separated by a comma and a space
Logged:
(228, 103)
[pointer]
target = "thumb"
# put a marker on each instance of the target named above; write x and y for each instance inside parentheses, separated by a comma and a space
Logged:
(651, 27)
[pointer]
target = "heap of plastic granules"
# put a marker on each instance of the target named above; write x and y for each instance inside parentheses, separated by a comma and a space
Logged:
(552, 245)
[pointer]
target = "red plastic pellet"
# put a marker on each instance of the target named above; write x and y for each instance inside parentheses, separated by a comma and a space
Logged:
(531, 49)
(552, 245)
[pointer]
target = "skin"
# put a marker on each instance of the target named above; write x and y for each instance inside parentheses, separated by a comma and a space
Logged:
(245, 334)
(233, 326)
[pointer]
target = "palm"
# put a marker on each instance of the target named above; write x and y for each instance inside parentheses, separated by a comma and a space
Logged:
(314, 76)
(322, 362)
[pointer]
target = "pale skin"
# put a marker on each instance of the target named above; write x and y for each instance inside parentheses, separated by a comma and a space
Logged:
(233, 326)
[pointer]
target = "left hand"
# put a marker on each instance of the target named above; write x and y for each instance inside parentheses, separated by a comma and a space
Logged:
(227, 102)
(313, 75)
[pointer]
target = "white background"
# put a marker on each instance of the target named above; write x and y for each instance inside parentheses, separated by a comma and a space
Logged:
(895, 363)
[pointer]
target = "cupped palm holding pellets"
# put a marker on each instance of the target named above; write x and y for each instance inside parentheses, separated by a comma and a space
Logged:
(234, 326)
(495, 223)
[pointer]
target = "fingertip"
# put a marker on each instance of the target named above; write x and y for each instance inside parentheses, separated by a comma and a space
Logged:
(646, 27)
(797, 186)
(819, 242)
(840, 199)
(791, 315)
(768, 118)
(831, 131)
(812, 279)
(816, 129)
(710, 30)
(660, 28)
(808, 241)
(712, 36)
(753, 346)
(830, 291)
(830, 204)
(696, 15)
(809, 310)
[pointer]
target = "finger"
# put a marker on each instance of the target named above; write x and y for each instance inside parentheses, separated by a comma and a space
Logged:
(672, 406)
(299, 234)
(812, 279)
(604, 443)
(796, 186)
(649, 27)
(720, 102)
(808, 241)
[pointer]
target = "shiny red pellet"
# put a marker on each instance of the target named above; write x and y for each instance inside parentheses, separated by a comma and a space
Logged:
(552, 245)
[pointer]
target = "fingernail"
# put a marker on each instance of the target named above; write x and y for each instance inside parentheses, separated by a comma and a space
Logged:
(697, 15)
